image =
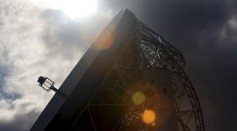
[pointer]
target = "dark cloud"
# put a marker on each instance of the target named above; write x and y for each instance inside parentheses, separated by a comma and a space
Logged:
(187, 20)
(5, 71)
(194, 27)
(201, 30)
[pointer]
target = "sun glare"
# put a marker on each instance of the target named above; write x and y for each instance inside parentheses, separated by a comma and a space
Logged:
(74, 8)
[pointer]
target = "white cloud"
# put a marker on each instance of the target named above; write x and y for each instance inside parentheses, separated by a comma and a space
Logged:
(233, 22)
(23, 58)
(227, 34)
(36, 41)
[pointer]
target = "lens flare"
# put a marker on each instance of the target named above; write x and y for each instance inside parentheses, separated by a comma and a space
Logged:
(148, 116)
(104, 41)
(153, 124)
(138, 98)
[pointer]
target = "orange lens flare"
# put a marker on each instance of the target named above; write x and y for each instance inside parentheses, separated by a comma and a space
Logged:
(104, 41)
(153, 124)
(148, 116)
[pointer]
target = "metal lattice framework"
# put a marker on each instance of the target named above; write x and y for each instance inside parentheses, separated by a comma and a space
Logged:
(159, 53)
(144, 49)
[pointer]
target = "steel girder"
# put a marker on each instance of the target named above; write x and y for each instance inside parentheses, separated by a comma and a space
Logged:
(144, 49)
(157, 52)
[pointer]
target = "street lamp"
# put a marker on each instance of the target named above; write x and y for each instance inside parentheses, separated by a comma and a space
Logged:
(48, 85)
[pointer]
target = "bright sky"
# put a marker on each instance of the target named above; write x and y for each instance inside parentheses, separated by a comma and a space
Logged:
(75, 8)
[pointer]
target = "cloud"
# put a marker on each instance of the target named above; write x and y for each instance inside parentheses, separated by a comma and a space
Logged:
(23, 57)
(76, 35)
(36, 40)
(20, 122)
(205, 32)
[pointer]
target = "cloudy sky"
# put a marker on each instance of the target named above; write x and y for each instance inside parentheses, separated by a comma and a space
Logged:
(38, 37)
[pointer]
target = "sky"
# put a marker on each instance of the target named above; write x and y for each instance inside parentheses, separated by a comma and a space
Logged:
(37, 39)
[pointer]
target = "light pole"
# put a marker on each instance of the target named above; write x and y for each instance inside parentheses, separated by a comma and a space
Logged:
(48, 85)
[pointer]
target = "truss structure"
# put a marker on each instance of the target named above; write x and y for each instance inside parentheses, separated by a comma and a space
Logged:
(111, 102)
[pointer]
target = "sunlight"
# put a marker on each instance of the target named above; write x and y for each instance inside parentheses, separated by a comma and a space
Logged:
(74, 8)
